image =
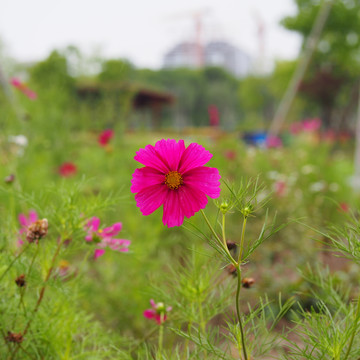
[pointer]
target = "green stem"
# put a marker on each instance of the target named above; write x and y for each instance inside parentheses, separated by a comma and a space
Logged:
(22, 290)
(161, 336)
(354, 330)
(12, 263)
(217, 238)
(202, 323)
(41, 296)
(242, 240)
(223, 230)
(238, 311)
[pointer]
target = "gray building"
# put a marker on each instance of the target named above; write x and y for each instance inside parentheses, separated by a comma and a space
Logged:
(214, 53)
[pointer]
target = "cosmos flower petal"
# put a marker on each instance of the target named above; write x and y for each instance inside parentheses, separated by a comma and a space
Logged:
(98, 253)
(112, 230)
(194, 156)
(119, 244)
(150, 157)
(151, 198)
(171, 152)
(33, 216)
(93, 224)
(205, 179)
(145, 177)
(173, 214)
(23, 220)
(149, 313)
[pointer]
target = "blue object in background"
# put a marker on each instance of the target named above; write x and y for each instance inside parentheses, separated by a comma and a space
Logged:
(255, 138)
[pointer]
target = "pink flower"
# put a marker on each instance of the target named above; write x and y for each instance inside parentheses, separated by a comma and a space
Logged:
(157, 312)
(67, 169)
(105, 137)
(175, 177)
(25, 222)
(310, 125)
(273, 141)
(280, 188)
(344, 207)
(105, 237)
(23, 88)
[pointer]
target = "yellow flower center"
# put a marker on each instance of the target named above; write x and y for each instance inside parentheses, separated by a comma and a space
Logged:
(173, 180)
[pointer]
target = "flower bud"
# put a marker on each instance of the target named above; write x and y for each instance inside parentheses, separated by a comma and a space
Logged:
(247, 282)
(9, 179)
(224, 207)
(247, 210)
(231, 245)
(37, 230)
(20, 280)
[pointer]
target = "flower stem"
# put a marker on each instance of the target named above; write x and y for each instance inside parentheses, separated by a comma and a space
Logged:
(12, 263)
(238, 311)
(217, 238)
(161, 336)
(354, 329)
(41, 296)
(22, 290)
(242, 240)
(223, 230)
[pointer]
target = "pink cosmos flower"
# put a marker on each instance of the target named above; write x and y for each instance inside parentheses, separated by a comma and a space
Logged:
(25, 222)
(67, 169)
(175, 177)
(157, 312)
(105, 137)
(105, 237)
(310, 125)
(280, 188)
(23, 88)
(273, 141)
(343, 206)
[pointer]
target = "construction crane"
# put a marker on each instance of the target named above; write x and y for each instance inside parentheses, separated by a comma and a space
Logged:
(197, 18)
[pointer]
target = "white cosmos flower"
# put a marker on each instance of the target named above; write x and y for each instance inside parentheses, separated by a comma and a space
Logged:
(20, 140)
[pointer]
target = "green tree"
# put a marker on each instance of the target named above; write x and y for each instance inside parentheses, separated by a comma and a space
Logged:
(335, 67)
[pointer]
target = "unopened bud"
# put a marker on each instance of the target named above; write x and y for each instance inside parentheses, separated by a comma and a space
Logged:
(37, 230)
(9, 179)
(20, 280)
(224, 207)
(232, 270)
(247, 282)
(231, 245)
(246, 211)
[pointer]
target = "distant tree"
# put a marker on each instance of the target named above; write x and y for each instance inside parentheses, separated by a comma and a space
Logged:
(335, 67)
(52, 73)
(116, 70)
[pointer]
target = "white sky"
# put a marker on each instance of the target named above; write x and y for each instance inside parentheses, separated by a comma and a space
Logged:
(141, 30)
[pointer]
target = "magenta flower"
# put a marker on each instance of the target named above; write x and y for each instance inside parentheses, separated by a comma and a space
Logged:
(23, 88)
(310, 125)
(67, 169)
(25, 222)
(158, 312)
(105, 237)
(273, 141)
(105, 137)
(175, 177)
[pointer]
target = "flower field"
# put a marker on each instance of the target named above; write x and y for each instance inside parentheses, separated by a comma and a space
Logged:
(119, 244)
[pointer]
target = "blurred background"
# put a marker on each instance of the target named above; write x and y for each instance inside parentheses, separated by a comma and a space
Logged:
(269, 87)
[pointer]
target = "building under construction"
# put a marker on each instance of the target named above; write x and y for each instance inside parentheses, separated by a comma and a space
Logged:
(214, 53)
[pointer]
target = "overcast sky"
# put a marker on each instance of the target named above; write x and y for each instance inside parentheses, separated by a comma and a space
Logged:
(142, 30)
